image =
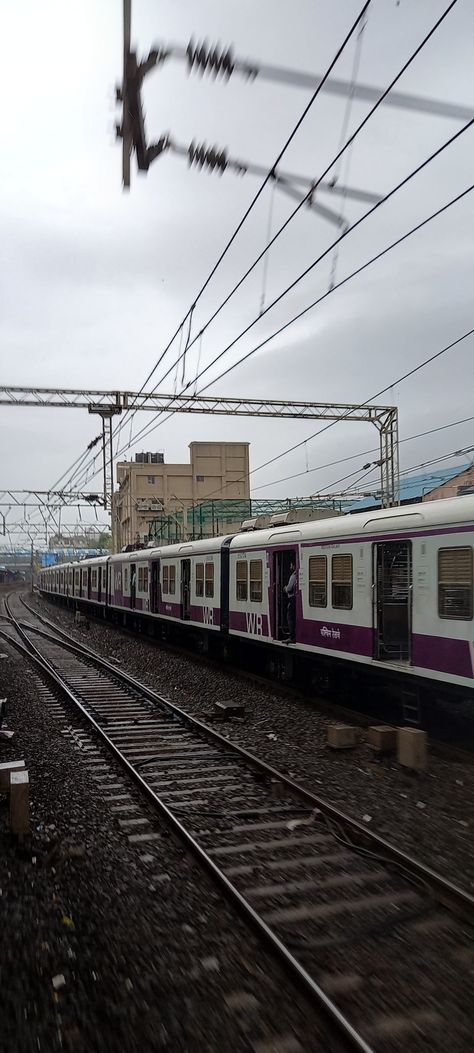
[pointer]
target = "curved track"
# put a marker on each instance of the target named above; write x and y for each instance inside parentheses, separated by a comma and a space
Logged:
(339, 906)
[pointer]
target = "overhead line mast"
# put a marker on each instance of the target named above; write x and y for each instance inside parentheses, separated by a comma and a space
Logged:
(110, 403)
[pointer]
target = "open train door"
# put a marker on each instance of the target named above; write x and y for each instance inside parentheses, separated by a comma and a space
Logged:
(282, 560)
(185, 589)
(393, 599)
(155, 587)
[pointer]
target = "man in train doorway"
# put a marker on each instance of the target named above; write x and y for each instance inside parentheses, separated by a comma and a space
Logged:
(290, 591)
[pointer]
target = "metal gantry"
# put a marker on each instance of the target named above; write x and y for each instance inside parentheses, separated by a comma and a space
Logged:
(108, 403)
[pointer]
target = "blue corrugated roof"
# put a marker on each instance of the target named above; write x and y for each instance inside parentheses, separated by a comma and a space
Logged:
(411, 487)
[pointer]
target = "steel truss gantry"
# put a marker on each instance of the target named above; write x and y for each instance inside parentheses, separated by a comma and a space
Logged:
(384, 418)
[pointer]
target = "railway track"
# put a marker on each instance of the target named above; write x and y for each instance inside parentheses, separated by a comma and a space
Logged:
(370, 934)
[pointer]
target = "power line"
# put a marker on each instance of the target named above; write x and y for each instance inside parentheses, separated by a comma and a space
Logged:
(189, 344)
(147, 429)
(392, 384)
(362, 453)
(261, 188)
(316, 183)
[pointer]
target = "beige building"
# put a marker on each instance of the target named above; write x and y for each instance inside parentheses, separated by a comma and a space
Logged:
(462, 483)
(149, 488)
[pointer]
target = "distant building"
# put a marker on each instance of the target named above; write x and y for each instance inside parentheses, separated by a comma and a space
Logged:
(458, 485)
(149, 490)
(426, 486)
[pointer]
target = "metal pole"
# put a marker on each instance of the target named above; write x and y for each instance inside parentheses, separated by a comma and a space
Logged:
(104, 461)
(31, 567)
(111, 463)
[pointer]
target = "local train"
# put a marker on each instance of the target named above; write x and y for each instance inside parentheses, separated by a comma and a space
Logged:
(385, 596)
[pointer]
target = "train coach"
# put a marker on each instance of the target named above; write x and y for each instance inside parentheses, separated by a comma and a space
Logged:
(385, 594)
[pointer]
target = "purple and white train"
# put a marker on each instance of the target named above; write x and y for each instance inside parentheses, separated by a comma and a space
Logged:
(388, 593)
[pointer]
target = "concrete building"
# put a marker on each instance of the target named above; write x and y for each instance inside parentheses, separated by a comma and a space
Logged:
(149, 488)
(458, 485)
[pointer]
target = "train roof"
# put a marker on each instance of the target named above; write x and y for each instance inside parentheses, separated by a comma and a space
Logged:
(422, 516)
(180, 551)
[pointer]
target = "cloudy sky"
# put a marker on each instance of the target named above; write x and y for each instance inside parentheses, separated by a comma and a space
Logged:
(94, 281)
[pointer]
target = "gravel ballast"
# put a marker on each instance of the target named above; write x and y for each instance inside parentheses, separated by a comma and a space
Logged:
(112, 946)
(427, 814)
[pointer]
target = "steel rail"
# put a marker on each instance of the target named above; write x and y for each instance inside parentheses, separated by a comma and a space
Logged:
(451, 896)
(297, 971)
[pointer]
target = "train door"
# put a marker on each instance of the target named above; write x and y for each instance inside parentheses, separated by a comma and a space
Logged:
(99, 584)
(393, 598)
(89, 583)
(133, 584)
(282, 560)
(185, 589)
(155, 587)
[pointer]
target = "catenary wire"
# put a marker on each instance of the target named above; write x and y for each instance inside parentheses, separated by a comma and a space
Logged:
(262, 186)
(147, 429)
(347, 144)
(317, 182)
(362, 453)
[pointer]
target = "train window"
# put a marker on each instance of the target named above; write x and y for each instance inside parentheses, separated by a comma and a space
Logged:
(318, 586)
(165, 586)
(256, 580)
(241, 579)
(143, 579)
(455, 583)
(84, 579)
(172, 580)
(125, 578)
(209, 579)
(94, 580)
(342, 582)
(77, 578)
(199, 579)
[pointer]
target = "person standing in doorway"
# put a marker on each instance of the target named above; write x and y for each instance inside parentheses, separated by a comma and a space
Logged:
(290, 592)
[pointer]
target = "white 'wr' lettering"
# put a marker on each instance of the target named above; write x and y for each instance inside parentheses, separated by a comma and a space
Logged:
(254, 623)
(208, 615)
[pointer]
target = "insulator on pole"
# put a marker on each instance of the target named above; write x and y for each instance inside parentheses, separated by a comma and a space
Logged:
(213, 60)
(207, 157)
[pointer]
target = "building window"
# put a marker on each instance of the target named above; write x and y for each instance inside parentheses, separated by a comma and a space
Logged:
(241, 579)
(199, 478)
(455, 583)
(256, 580)
(342, 582)
(143, 579)
(318, 589)
(209, 579)
(151, 479)
(172, 580)
(94, 580)
(199, 579)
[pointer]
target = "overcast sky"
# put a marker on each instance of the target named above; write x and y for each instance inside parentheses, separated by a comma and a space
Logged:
(95, 281)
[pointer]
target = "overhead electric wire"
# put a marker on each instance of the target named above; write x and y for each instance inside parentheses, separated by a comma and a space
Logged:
(262, 186)
(317, 182)
(415, 467)
(362, 453)
(147, 429)
(270, 243)
(331, 424)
